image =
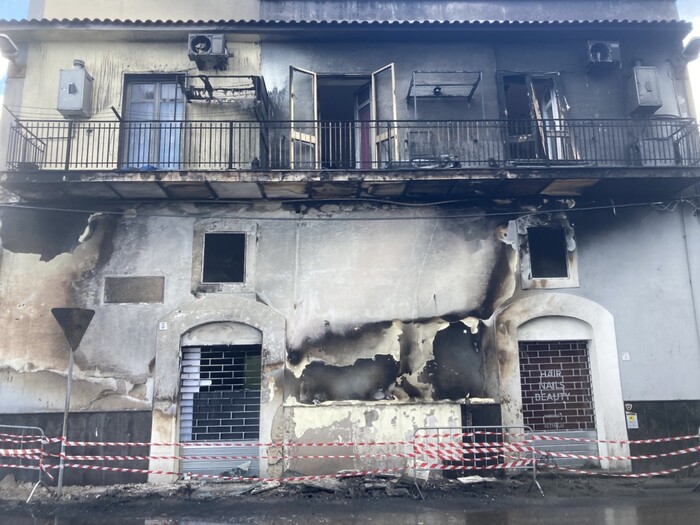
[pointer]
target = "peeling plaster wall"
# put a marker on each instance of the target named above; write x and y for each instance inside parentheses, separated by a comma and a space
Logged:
(378, 312)
(389, 296)
(114, 364)
(379, 422)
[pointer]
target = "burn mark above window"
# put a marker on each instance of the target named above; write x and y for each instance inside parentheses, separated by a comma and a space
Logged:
(548, 253)
(224, 258)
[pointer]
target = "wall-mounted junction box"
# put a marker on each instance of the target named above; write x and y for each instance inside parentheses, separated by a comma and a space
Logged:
(75, 92)
(644, 93)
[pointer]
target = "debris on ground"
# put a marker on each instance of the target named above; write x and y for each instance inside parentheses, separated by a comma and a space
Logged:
(470, 480)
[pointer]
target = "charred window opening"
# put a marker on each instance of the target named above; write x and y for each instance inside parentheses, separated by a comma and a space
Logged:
(458, 364)
(224, 258)
(548, 253)
(366, 380)
(531, 105)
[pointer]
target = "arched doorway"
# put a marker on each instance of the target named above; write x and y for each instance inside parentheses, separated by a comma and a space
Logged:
(562, 317)
(220, 378)
(213, 318)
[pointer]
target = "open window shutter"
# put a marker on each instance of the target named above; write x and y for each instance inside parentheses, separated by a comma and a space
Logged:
(386, 144)
(303, 112)
(541, 130)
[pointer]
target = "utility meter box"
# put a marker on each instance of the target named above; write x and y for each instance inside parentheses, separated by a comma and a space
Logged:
(644, 93)
(75, 92)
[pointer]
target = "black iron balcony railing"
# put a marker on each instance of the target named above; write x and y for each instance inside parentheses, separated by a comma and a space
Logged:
(360, 145)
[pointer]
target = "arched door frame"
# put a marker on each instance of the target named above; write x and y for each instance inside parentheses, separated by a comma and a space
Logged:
(605, 371)
(202, 311)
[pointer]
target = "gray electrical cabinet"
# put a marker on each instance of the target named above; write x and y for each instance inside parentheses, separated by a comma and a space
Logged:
(75, 92)
(644, 93)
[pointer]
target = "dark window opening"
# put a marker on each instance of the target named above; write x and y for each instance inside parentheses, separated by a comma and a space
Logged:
(548, 253)
(224, 258)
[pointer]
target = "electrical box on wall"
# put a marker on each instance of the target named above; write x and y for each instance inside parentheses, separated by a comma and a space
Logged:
(75, 92)
(602, 55)
(644, 93)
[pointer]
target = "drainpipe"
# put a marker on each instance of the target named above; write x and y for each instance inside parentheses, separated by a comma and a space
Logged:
(693, 295)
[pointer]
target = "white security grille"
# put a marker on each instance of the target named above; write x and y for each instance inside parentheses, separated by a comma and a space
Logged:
(220, 402)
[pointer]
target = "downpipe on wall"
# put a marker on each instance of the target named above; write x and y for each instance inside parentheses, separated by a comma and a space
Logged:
(693, 295)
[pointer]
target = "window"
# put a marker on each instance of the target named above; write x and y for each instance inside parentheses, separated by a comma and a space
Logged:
(547, 252)
(224, 258)
(154, 112)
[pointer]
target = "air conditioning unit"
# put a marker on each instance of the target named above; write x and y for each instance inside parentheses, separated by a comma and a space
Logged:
(208, 51)
(602, 55)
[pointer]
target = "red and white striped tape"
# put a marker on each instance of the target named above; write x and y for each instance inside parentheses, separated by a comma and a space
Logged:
(540, 437)
(225, 444)
(16, 438)
(25, 467)
(508, 465)
(28, 453)
(619, 474)
(227, 458)
(690, 450)
(19, 440)
(345, 474)
(428, 455)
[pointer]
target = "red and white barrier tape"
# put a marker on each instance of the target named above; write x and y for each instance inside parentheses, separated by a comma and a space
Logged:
(539, 437)
(26, 467)
(508, 465)
(21, 440)
(225, 444)
(347, 474)
(20, 452)
(227, 458)
(619, 474)
(17, 438)
(620, 458)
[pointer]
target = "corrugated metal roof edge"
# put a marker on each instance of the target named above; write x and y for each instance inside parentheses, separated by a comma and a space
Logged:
(253, 22)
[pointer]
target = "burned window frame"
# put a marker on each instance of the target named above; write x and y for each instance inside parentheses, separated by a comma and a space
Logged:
(223, 226)
(528, 282)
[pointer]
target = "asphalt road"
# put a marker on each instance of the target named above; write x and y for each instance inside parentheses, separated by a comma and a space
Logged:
(463, 509)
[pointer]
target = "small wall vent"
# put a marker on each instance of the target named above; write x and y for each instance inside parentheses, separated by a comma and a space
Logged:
(602, 55)
(208, 51)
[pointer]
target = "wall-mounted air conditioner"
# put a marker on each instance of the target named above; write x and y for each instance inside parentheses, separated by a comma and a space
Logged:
(208, 51)
(602, 55)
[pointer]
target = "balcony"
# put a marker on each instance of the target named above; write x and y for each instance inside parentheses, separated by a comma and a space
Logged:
(386, 150)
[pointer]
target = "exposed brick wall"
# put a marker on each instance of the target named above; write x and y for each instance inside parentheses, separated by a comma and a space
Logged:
(556, 385)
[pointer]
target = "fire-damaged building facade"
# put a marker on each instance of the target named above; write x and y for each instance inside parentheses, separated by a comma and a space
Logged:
(311, 221)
